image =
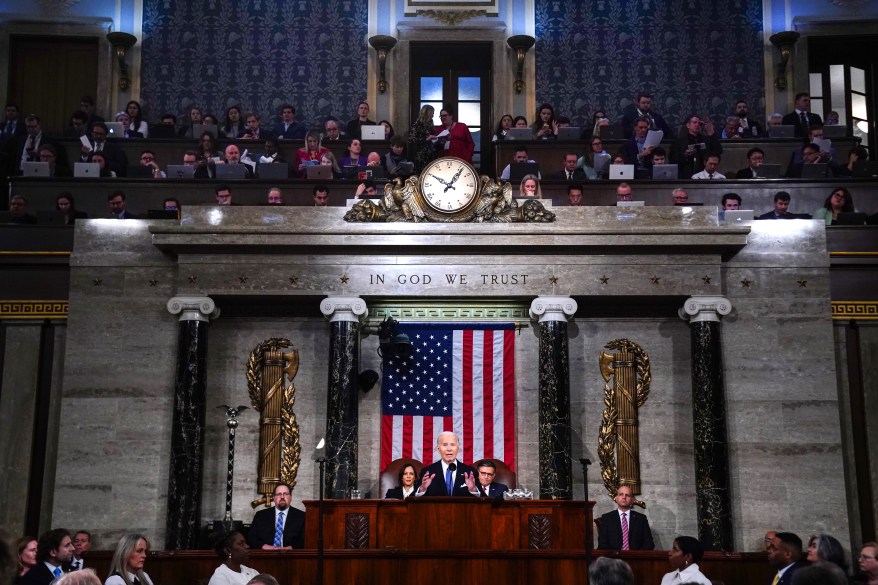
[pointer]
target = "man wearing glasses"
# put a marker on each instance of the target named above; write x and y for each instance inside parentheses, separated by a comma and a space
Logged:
(147, 159)
(487, 473)
(279, 528)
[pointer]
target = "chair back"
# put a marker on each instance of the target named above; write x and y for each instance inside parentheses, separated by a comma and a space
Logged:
(390, 476)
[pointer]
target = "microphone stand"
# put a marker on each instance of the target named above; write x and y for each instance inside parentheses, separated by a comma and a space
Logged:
(588, 541)
(321, 461)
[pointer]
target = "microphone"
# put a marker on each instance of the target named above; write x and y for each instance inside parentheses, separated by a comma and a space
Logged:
(453, 467)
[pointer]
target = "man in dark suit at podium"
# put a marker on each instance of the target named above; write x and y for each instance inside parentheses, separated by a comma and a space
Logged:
(623, 528)
(54, 550)
(280, 527)
(454, 478)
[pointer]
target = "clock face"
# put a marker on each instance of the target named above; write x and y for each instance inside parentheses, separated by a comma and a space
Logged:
(449, 185)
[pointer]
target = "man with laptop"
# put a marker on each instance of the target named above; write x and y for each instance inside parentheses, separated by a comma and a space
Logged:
(756, 157)
(568, 171)
(229, 167)
(97, 142)
(116, 201)
(28, 147)
(810, 167)
(710, 172)
(49, 154)
(519, 157)
(781, 207)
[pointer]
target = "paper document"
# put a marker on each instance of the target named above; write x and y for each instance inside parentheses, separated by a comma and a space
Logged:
(653, 138)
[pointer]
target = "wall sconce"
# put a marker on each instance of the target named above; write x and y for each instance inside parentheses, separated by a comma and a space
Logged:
(520, 44)
(382, 45)
(783, 41)
(121, 42)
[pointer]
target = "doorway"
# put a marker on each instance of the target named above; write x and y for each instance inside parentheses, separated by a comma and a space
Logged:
(456, 74)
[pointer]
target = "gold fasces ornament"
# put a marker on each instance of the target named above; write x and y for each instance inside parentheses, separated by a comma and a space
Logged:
(618, 442)
(279, 449)
(449, 189)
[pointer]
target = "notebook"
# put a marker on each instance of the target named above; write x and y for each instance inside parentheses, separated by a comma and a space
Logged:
(630, 203)
(86, 170)
(52, 217)
(139, 172)
(851, 218)
(621, 172)
(35, 169)
(180, 172)
(611, 132)
(866, 168)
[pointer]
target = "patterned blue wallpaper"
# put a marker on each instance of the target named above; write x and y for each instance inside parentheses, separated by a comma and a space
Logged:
(693, 56)
(257, 54)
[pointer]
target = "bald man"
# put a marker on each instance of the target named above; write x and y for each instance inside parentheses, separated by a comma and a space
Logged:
(448, 476)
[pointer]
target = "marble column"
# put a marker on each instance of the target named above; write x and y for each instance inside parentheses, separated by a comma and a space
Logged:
(712, 494)
(342, 414)
(556, 468)
(187, 432)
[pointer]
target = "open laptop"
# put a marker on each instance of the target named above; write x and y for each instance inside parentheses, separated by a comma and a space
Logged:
(318, 173)
(611, 132)
(836, 131)
(738, 215)
(274, 171)
(232, 172)
(814, 171)
(768, 172)
(161, 214)
(115, 130)
(372, 132)
(630, 203)
(199, 129)
(518, 171)
(665, 172)
(162, 131)
(621, 172)
(520, 134)
(782, 132)
(851, 218)
(405, 168)
(140, 172)
(35, 169)
(86, 170)
(51, 217)
(866, 168)
(180, 172)
(569, 133)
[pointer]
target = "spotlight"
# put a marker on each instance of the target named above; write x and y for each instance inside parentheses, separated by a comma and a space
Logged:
(367, 380)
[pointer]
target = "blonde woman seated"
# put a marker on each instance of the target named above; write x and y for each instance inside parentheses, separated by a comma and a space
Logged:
(233, 550)
(126, 568)
(328, 160)
(530, 187)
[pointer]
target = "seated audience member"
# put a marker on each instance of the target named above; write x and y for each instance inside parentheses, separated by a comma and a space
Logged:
(190, 158)
(362, 119)
(686, 553)
(64, 202)
(124, 119)
(586, 161)
(169, 120)
(114, 156)
(130, 555)
(487, 471)
(210, 120)
(820, 573)
(756, 157)
(366, 189)
(77, 126)
(263, 579)
(732, 129)
(253, 128)
(28, 147)
(769, 535)
(831, 119)
(233, 157)
(81, 546)
(195, 117)
(826, 549)
(407, 483)
(776, 119)
(815, 136)
(868, 563)
(781, 207)
(530, 187)
(388, 129)
(519, 156)
(83, 577)
(710, 172)
(747, 126)
(233, 125)
(659, 156)
(839, 201)
(801, 117)
(172, 204)
(545, 126)
(27, 554)
(87, 105)
(729, 202)
(642, 107)
(695, 142)
(373, 159)
(560, 122)
(623, 192)
(232, 549)
(147, 159)
(270, 155)
(49, 154)
(394, 157)
(275, 197)
(137, 126)
(224, 196)
(207, 147)
(503, 127)
(263, 530)
(289, 128)
(311, 153)
(332, 132)
(855, 155)
(633, 150)
(354, 157)
(519, 122)
(18, 211)
(568, 171)
(810, 156)
(607, 571)
(598, 120)
(574, 195)
(679, 196)
(784, 552)
(105, 171)
(117, 202)
(328, 160)
(54, 550)
(321, 194)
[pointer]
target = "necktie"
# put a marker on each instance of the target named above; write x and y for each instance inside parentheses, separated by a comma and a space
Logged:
(57, 572)
(776, 579)
(805, 120)
(710, 176)
(279, 530)
(99, 146)
(569, 176)
(9, 128)
(625, 544)
(449, 484)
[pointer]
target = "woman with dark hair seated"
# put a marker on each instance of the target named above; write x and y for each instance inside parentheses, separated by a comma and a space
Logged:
(233, 550)
(839, 201)
(406, 485)
(98, 157)
(683, 558)
(27, 554)
(64, 202)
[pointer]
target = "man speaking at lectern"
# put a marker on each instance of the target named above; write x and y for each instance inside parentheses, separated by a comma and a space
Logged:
(448, 476)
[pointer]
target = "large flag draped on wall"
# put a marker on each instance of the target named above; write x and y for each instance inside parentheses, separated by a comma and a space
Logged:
(460, 377)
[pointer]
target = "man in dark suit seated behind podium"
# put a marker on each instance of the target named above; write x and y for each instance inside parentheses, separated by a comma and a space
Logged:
(487, 472)
(455, 478)
(612, 533)
(281, 527)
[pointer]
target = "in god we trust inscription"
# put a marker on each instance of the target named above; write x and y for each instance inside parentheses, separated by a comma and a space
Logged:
(449, 189)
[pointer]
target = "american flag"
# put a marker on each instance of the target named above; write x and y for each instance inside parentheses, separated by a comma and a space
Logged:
(460, 377)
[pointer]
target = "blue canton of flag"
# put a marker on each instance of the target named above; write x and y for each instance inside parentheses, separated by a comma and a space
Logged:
(421, 383)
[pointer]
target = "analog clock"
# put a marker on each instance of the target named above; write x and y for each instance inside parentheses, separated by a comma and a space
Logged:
(449, 187)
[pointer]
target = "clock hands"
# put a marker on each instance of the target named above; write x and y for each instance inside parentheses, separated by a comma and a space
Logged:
(441, 180)
(453, 180)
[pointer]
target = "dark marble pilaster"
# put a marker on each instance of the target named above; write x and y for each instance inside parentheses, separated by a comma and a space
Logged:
(556, 469)
(342, 393)
(187, 431)
(712, 494)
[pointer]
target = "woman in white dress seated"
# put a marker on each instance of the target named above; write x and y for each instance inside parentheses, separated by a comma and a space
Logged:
(232, 548)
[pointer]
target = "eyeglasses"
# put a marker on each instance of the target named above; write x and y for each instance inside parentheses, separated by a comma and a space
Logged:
(282, 495)
(865, 558)
(147, 158)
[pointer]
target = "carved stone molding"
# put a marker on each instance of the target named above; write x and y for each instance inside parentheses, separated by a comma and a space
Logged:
(352, 309)
(698, 309)
(452, 17)
(193, 308)
(552, 309)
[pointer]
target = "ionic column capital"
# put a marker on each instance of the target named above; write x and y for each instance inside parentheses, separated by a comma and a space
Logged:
(193, 308)
(552, 309)
(701, 309)
(351, 309)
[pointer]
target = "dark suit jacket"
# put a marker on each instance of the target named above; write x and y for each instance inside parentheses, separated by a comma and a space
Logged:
(793, 119)
(117, 160)
(395, 493)
(437, 487)
(788, 574)
(262, 528)
(495, 490)
(630, 114)
(639, 534)
(578, 175)
(296, 131)
(629, 152)
(771, 215)
(744, 174)
(39, 574)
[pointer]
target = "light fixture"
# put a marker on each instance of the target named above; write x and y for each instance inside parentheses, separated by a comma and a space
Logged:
(382, 45)
(521, 44)
(121, 42)
(784, 41)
